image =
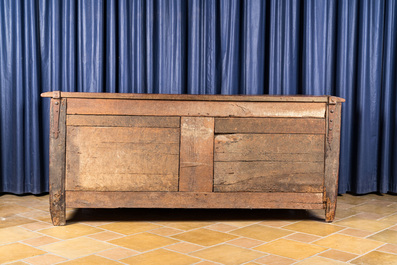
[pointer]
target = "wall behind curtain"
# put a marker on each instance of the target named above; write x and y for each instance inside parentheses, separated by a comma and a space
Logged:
(342, 48)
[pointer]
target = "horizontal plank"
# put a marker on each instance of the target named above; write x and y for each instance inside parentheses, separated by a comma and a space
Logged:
(90, 199)
(259, 176)
(258, 98)
(122, 121)
(194, 108)
(269, 147)
(122, 158)
(270, 125)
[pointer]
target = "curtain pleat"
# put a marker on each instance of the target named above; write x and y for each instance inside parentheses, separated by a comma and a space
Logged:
(313, 47)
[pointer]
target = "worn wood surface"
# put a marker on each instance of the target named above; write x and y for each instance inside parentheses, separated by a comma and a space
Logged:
(196, 154)
(269, 163)
(194, 108)
(57, 161)
(80, 199)
(332, 149)
(270, 125)
(122, 121)
(259, 98)
(269, 147)
(122, 158)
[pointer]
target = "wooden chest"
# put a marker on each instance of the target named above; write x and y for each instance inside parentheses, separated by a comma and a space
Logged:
(193, 151)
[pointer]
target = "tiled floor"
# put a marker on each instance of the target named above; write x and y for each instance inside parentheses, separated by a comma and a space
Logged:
(364, 232)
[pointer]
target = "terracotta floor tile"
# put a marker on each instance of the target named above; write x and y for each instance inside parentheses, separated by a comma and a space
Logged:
(245, 242)
(376, 258)
(17, 251)
(70, 231)
(222, 227)
(213, 263)
(345, 213)
(388, 248)
(355, 232)
(46, 259)
(14, 220)
(290, 249)
(37, 226)
(354, 200)
(105, 236)
(317, 260)
(371, 216)
(390, 220)
(306, 238)
(387, 236)
(184, 247)
(12, 234)
(204, 237)
(350, 244)
(261, 232)
(117, 253)
(128, 228)
(35, 214)
(240, 223)
(143, 242)
(17, 263)
(166, 231)
(275, 260)
(10, 209)
(338, 255)
(40, 241)
(96, 223)
(185, 225)
(161, 256)
(91, 260)
(393, 228)
(227, 254)
(315, 228)
(363, 224)
(76, 247)
(378, 207)
(275, 223)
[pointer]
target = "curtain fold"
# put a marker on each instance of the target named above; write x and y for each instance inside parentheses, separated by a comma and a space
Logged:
(316, 47)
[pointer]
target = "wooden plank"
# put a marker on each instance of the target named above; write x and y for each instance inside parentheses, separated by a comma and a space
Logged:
(57, 161)
(122, 159)
(269, 147)
(269, 125)
(194, 108)
(332, 160)
(256, 98)
(254, 176)
(197, 154)
(122, 121)
(92, 199)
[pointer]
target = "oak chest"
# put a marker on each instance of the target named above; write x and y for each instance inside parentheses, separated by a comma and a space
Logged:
(193, 151)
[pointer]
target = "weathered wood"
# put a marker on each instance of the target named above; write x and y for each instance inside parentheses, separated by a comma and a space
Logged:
(194, 108)
(262, 176)
(260, 98)
(270, 125)
(269, 147)
(122, 121)
(332, 160)
(57, 161)
(197, 154)
(80, 199)
(122, 159)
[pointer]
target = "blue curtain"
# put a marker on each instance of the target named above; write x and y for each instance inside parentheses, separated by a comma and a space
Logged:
(342, 48)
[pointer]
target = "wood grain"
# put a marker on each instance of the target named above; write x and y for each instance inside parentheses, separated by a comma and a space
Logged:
(57, 162)
(269, 147)
(258, 98)
(269, 163)
(122, 121)
(194, 108)
(197, 154)
(332, 152)
(122, 159)
(270, 125)
(89, 199)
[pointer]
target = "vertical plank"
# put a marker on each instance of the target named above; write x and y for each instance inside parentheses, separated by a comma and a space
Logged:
(196, 154)
(57, 161)
(332, 150)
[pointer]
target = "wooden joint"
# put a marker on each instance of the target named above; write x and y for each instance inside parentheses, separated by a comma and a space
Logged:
(331, 121)
(56, 94)
(56, 103)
